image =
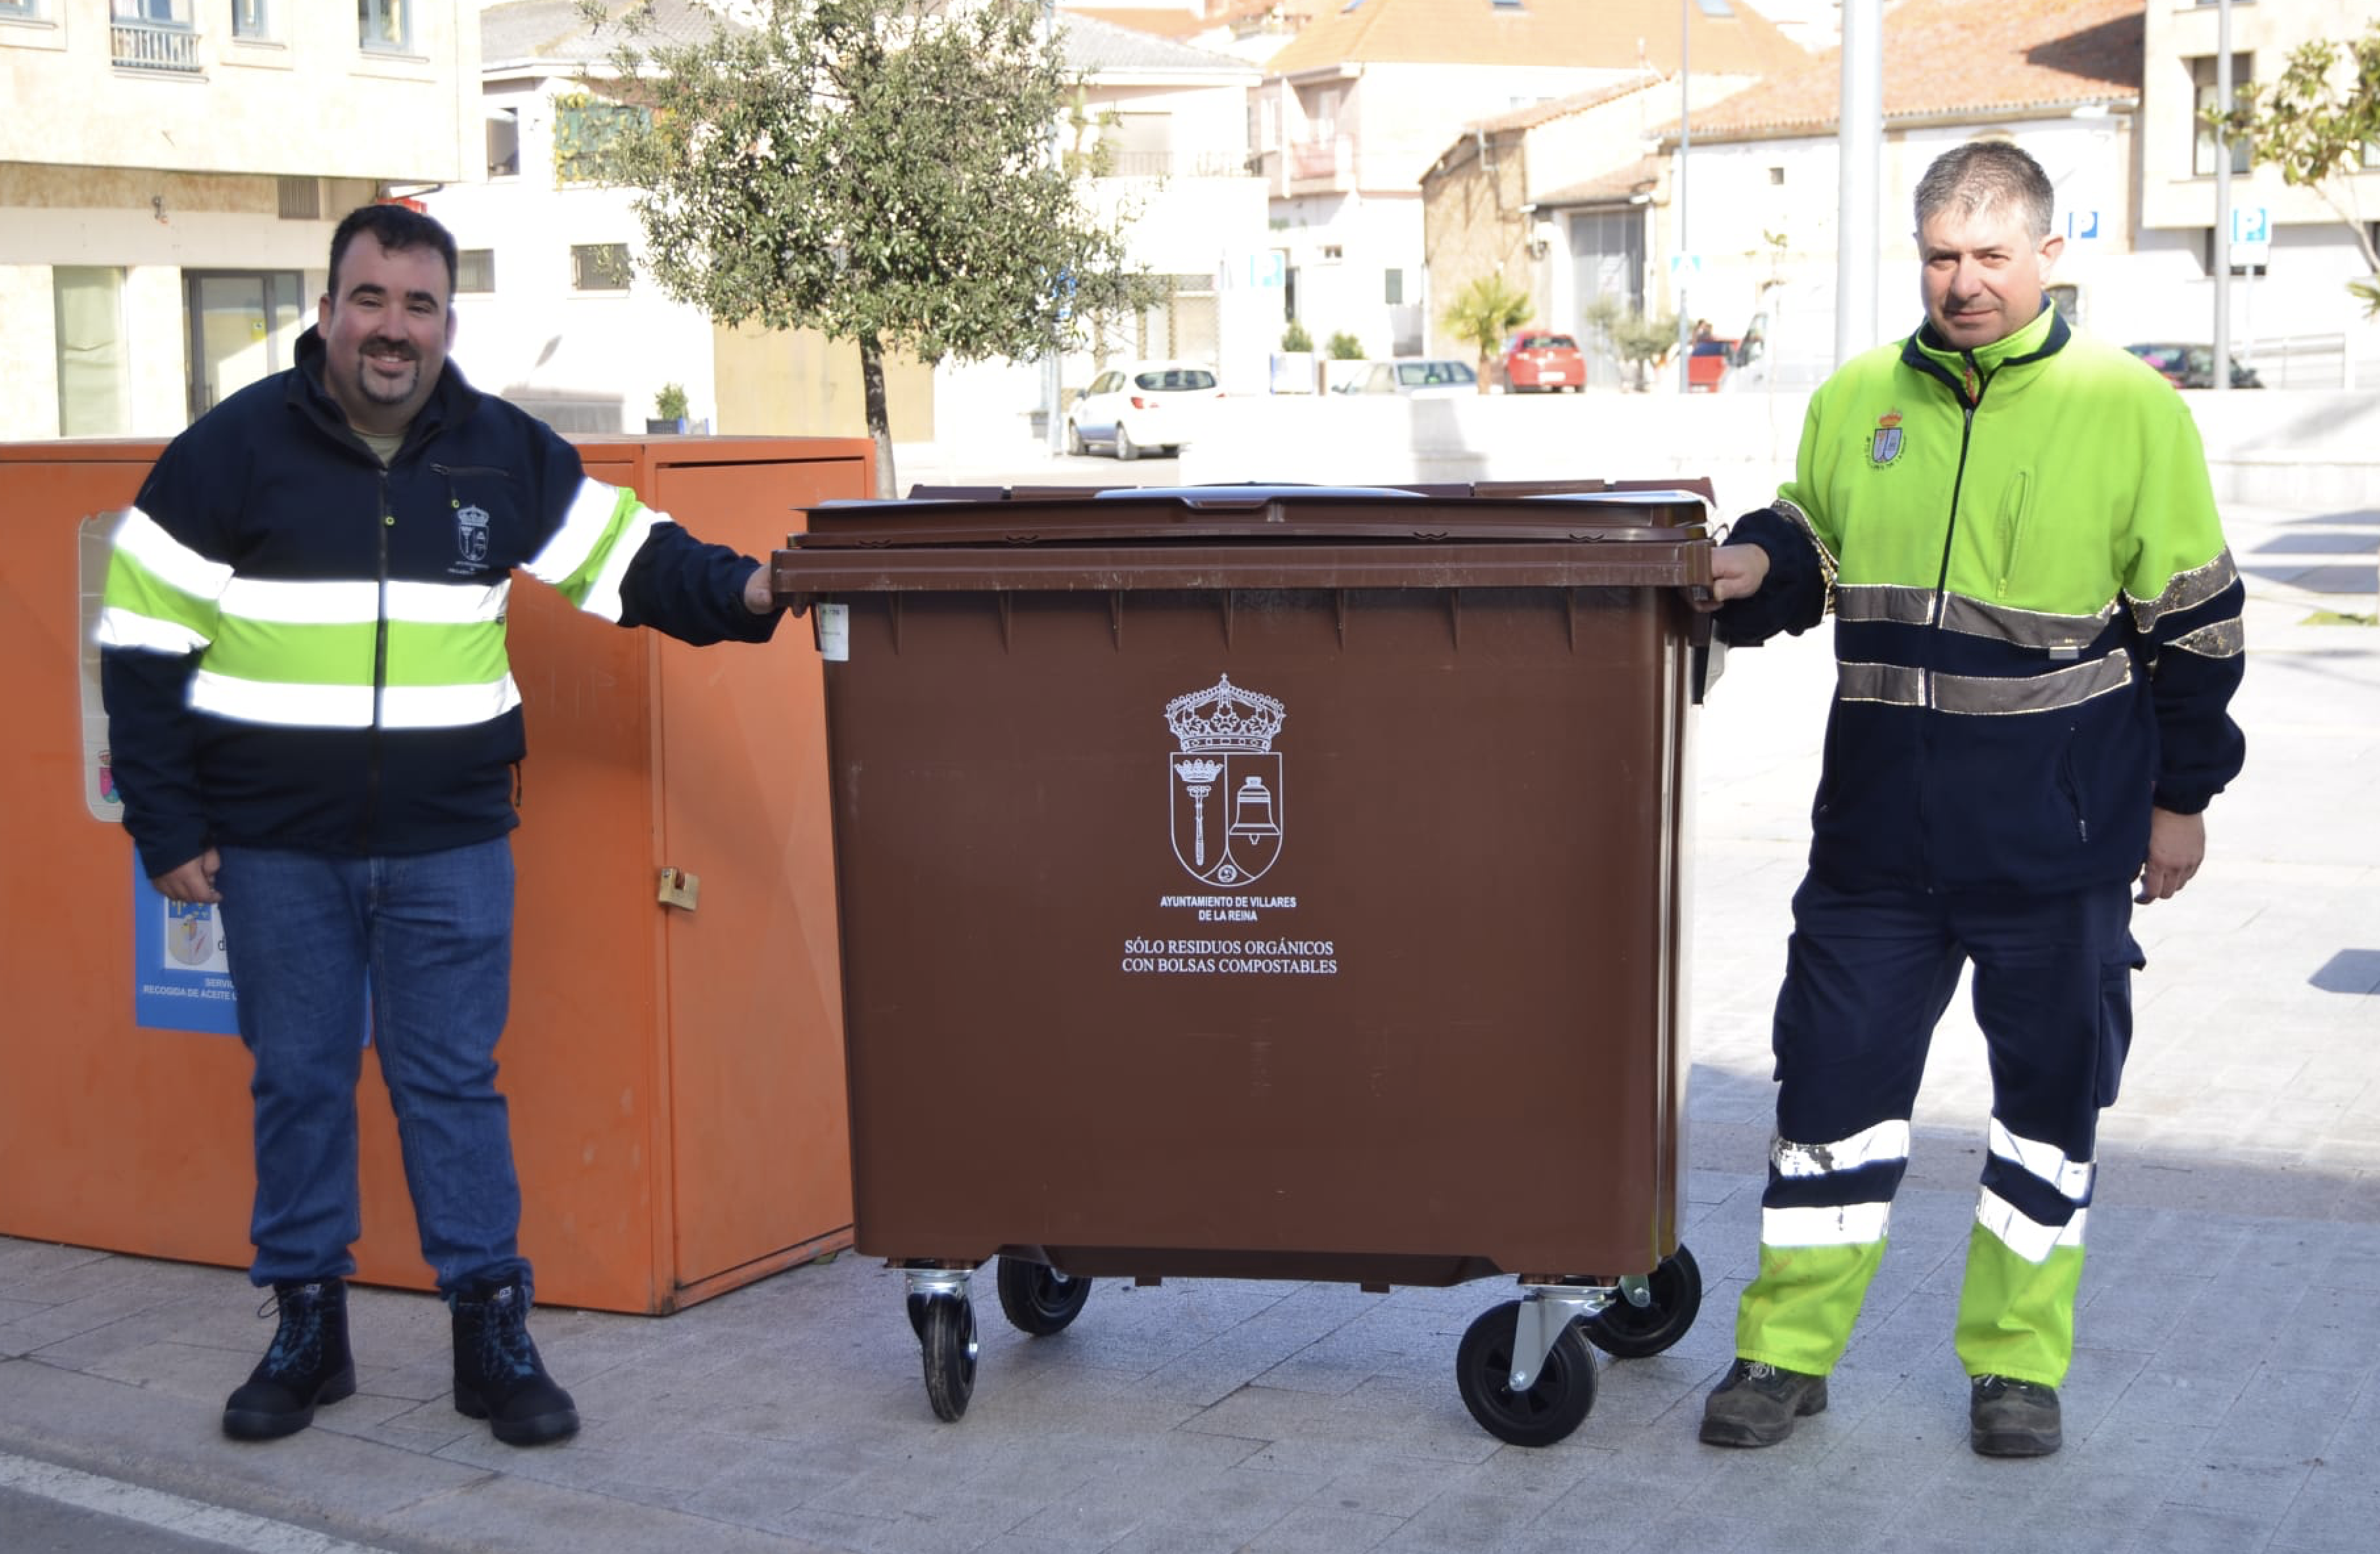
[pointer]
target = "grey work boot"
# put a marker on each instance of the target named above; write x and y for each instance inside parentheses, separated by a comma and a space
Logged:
(307, 1365)
(2010, 1418)
(498, 1376)
(1757, 1404)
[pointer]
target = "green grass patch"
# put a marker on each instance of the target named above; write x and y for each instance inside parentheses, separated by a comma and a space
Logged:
(2335, 617)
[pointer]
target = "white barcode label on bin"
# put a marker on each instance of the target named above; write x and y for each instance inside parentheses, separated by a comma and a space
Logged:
(834, 632)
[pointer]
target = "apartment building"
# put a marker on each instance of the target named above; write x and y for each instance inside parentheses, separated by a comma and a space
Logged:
(2289, 308)
(170, 175)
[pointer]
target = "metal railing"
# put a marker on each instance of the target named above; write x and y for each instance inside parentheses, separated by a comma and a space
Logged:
(1179, 165)
(168, 47)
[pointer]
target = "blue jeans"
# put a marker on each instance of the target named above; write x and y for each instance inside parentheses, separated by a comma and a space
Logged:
(434, 933)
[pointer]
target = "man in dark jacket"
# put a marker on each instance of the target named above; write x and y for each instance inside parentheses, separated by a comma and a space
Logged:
(314, 724)
(2038, 635)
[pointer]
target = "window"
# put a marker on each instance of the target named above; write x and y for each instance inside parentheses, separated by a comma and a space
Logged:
(598, 266)
(1392, 289)
(503, 142)
(299, 199)
(94, 382)
(252, 19)
(2202, 101)
(385, 26)
(1776, 174)
(475, 270)
(21, 10)
(586, 132)
(152, 35)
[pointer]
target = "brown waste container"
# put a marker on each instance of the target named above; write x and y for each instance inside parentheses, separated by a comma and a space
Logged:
(1269, 883)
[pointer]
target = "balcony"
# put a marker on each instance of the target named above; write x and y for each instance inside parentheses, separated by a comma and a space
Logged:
(163, 48)
(1179, 163)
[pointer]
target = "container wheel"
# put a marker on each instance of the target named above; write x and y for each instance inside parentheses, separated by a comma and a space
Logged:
(1038, 1298)
(1555, 1403)
(1630, 1332)
(946, 1331)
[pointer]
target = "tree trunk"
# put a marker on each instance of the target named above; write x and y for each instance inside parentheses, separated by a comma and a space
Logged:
(879, 421)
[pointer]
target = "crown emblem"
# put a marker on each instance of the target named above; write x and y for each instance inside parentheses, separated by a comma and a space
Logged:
(1224, 717)
(1889, 419)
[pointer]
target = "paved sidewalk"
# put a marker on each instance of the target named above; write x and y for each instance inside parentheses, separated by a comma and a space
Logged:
(2224, 1395)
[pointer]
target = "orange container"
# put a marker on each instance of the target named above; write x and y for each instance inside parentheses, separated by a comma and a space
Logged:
(675, 1074)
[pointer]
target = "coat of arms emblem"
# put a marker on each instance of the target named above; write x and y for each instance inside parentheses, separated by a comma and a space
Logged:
(1225, 783)
(472, 534)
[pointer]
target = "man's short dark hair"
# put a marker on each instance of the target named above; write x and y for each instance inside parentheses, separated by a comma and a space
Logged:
(396, 228)
(1987, 174)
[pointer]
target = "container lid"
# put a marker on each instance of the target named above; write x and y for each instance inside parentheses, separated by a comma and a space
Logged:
(1540, 512)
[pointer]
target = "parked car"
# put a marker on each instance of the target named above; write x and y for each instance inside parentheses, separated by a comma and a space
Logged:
(1415, 377)
(1707, 362)
(2192, 366)
(1141, 404)
(1539, 362)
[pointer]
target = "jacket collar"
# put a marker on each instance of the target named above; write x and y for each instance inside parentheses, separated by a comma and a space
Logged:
(452, 399)
(2036, 342)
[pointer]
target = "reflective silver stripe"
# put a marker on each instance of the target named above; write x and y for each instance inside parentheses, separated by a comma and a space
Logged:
(1886, 1141)
(603, 594)
(1894, 602)
(1893, 682)
(584, 524)
(446, 706)
(1850, 1224)
(291, 705)
(358, 601)
(349, 603)
(2187, 589)
(119, 627)
(2024, 628)
(288, 704)
(1826, 562)
(2028, 1238)
(449, 603)
(139, 536)
(2222, 639)
(2072, 1178)
(2033, 693)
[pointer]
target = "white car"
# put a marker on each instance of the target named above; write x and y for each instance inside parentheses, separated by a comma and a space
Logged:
(1141, 404)
(1415, 377)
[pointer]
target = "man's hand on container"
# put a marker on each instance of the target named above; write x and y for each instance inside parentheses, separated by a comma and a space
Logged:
(2177, 846)
(194, 880)
(758, 597)
(1737, 572)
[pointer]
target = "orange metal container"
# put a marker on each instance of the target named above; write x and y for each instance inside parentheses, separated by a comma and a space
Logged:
(675, 1076)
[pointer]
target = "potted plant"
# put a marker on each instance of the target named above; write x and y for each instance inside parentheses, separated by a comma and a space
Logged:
(669, 408)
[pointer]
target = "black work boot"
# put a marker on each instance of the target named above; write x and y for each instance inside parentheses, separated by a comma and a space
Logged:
(2010, 1418)
(307, 1365)
(1757, 1404)
(497, 1374)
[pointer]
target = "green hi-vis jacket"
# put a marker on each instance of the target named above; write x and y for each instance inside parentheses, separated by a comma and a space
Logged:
(2036, 619)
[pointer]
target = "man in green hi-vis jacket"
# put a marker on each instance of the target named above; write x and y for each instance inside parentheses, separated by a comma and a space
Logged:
(2038, 637)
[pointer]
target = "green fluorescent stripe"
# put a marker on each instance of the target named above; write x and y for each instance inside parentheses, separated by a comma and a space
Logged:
(279, 652)
(446, 655)
(580, 584)
(133, 587)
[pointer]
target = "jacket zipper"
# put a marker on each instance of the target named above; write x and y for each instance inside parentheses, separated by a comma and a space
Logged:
(385, 517)
(1968, 406)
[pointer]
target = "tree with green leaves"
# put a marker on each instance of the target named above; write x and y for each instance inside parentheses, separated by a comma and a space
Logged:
(1483, 313)
(2318, 124)
(881, 171)
(1637, 342)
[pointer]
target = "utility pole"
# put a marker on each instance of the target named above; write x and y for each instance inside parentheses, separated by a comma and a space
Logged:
(1685, 144)
(1860, 151)
(1054, 365)
(2222, 265)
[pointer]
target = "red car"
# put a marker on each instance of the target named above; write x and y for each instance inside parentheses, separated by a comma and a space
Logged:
(1540, 362)
(1706, 364)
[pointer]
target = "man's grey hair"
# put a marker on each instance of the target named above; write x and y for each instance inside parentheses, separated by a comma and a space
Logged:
(1982, 176)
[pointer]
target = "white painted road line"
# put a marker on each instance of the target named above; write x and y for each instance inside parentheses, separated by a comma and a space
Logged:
(154, 1508)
